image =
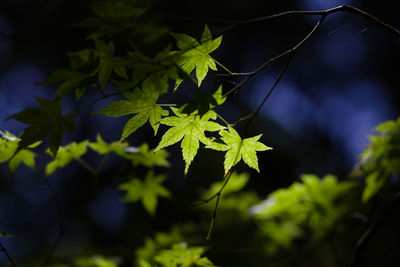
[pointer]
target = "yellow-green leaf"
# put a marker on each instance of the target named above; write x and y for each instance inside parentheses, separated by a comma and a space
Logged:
(190, 129)
(238, 148)
(142, 103)
(146, 191)
(195, 55)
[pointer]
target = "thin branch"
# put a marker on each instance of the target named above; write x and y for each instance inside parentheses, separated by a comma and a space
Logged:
(322, 13)
(371, 231)
(59, 237)
(218, 196)
(214, 217)
(102, 163)
(277, 79)
(87, 166)
(77, 214)
(222, 119)
(222, 66)
(269, 61)
(8, 255)
(326, 12)
(56, 202)
(205, 201)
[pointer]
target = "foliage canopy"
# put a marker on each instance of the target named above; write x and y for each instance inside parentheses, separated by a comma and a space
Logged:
(144, 71)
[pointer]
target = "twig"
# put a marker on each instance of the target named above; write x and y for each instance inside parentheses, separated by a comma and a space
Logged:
(369, 233)
(77, 214)
(277, 79)
(56, 202)
(87, 166)
(269, 61)
(218, 196)
(8, 255)
(102, 163)
(326, 12)
(222, 119)
(205, 201)
(59, 237)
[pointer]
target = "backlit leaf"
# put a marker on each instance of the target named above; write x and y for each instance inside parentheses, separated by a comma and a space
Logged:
(238, 148)
(8, 146)
(189, 128)
(195, 55)
(65, 155)
(142, 103)
(146, 191)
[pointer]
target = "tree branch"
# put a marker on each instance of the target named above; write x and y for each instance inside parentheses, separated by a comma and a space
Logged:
(269, 61)
(8, 255)
(56, 202)
(326, 12)
(252, 115)
(371, 231)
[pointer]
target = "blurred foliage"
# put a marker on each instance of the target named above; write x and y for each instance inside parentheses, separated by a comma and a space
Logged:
(381, 160)
(129, 52)
(8, 152)
(311, 208)
(146, 191)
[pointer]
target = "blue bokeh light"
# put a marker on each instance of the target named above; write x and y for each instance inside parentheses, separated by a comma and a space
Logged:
(346, 115)
(321, 4)
(287, 105)
(106, 210)
(343, 50)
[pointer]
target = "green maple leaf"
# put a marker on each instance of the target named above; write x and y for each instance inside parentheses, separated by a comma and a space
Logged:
(46, 120)
(141, 155)
(94, 261)
(180, 255)
(146, 191)
(218, 97)
(147, 157)
(238, 148)
(65, 155)
(69, 80)
(141, 102)
(8, 146)
(195, 55)
(190, 129)
(108, 63)
(102, 147)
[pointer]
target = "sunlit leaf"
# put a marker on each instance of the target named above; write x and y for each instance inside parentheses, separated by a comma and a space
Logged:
(196, 55)
(238, 148)
(65, 155)
(142, 103)
(381, 160)
(95, 261)
(180, 255)
(146, 191)
(190, 128)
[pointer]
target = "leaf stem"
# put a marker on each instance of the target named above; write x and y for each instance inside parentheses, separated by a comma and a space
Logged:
(56, 202)
(87, 166)
(222, 66)
(102, 163)
(222, 119)
(167, 105)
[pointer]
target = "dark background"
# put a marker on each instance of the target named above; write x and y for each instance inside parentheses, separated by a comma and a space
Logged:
(340, 85)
